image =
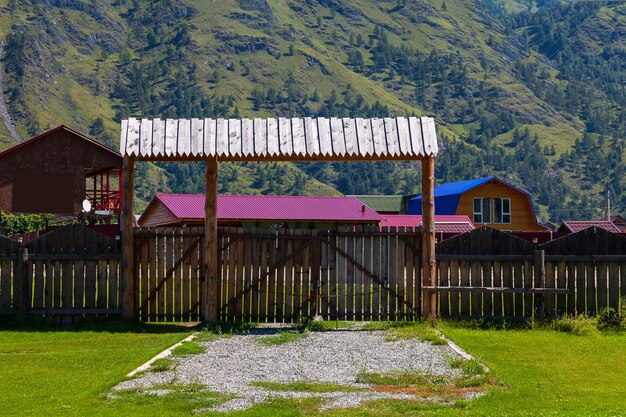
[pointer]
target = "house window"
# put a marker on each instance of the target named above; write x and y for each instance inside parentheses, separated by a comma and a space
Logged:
(502, 210)
(482, 210)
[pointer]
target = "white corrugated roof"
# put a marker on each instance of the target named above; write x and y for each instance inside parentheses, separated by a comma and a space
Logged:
(299, 139)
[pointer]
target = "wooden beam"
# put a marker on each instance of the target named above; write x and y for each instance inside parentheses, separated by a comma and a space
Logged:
(211, 287)
(501, 290)
(429, 262)
(127, 222)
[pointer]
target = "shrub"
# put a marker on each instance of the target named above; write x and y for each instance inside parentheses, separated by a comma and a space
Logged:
(307, 324)
(610, 319)
(579, 326)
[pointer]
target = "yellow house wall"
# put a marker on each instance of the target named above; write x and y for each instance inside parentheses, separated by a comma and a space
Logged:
(522, 217)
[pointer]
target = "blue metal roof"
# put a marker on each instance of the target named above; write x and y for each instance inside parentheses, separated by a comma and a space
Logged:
(447, 196)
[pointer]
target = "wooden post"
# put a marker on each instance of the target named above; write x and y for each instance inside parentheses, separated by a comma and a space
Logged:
(127, 223)
(540, 282)
(429, 262)
(211, 287)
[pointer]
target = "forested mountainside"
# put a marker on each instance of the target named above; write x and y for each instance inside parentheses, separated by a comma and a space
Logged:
(534, 92)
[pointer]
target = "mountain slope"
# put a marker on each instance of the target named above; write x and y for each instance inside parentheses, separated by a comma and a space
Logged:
(493, 75)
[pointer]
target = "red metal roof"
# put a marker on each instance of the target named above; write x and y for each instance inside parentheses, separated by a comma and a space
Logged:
(274, 208)
(578, 225)
(443, 223)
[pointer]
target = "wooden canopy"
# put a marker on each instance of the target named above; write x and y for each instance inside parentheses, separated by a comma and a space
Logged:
(296, 139)
(300, 139)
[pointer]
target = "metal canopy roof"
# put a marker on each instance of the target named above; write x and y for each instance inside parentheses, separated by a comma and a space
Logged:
(296, 139)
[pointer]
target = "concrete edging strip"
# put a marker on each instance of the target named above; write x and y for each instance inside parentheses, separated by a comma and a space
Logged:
(167, 352)
(456, 348)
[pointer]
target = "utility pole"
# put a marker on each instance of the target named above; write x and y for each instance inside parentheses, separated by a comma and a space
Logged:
(608, 205)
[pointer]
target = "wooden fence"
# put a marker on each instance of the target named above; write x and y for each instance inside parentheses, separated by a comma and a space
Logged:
(365, 274)
(281, 275)
(70, 271)
(488, 273)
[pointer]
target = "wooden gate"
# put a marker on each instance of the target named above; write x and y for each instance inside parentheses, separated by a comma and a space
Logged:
(168, 275)
(266, 276)
(283, 275)
(370, 275)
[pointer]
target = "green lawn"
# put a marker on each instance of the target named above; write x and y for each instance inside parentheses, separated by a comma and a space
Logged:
(544, 372)
(548, 372)
(60, 372)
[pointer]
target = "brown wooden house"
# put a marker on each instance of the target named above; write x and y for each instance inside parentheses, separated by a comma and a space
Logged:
(55, 171)
(486, 201)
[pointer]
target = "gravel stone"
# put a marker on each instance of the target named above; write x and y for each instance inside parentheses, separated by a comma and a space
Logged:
(231, 364)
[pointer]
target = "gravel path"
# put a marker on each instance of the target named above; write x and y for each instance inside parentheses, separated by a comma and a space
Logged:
(230, 364)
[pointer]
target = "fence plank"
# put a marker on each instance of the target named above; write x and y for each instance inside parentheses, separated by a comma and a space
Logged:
(454, 282)
(196, 274)
(591, 289)
(476, 281)
(465, 282)
(561, 282)
(38, 286)
(186, 277)
(614, 285)
(622, 285)
(581, 292)
(253, 274)
(350, 279)
(179, 255)
(273, 247)
(114, 288)
(384, 262)
(298, 274)
(602, 284)
(281, 253)
(548, 299)
(443, 271)
(263, 286)
(571, 285)
(101, 297)
(392, 277)
(507, 281)
(158, 289)
(172, 258)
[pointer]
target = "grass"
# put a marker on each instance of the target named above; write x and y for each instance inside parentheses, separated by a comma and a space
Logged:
(51, 371)
(193, 397)
(188, 348)
(304, 386)
(56, 371)
(280, 338)
(397, 330)
(162, 365)
(548, 372)
(403, 379)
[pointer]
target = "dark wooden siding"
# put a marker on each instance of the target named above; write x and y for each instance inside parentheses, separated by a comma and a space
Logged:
(61, 153)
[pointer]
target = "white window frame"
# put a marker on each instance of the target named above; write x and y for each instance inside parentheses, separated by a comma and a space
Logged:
(481, 213)
(502, 212)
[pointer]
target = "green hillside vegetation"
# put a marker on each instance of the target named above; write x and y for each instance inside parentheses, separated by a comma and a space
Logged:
(532, 92)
